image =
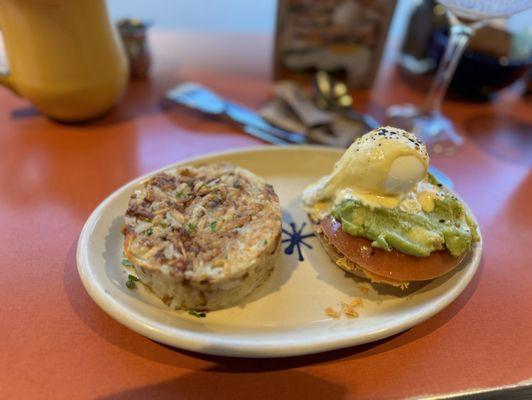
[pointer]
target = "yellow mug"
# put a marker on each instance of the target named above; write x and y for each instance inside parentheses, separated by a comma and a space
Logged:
(64, 56)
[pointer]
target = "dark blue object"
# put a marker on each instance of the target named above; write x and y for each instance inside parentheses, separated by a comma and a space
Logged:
(480, 75)
(295, 239)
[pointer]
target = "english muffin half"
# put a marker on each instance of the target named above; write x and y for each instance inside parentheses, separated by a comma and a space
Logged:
(203, 237)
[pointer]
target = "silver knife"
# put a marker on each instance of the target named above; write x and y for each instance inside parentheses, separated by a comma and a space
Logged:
(200, 98)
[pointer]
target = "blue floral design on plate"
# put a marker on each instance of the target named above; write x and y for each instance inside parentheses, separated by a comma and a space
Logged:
(295, 239)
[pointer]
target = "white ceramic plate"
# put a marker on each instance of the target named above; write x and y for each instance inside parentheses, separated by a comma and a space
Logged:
(284, 317)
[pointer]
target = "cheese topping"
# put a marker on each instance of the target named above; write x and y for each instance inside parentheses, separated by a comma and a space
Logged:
(380, 169)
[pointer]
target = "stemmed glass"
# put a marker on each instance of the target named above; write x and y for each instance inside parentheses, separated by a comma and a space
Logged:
(428, 122)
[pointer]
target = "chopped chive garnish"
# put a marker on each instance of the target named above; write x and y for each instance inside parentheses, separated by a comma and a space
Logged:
(130, 283)
(149, 231)
(126, 262)
(191, 228)
(197, 314)
(213, 226)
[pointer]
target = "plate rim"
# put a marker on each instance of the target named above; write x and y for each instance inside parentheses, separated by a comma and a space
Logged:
(234, 346)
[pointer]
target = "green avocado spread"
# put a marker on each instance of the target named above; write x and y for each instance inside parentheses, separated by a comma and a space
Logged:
(419, 233)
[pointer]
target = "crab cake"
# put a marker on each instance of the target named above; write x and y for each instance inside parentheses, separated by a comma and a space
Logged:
(203, 237)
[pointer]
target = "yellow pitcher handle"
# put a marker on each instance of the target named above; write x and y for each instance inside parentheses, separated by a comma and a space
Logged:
(6, 79)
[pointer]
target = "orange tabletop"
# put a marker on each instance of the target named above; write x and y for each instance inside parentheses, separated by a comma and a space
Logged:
(56, 343)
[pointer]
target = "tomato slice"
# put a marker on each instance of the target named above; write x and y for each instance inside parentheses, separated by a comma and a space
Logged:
(388, 264)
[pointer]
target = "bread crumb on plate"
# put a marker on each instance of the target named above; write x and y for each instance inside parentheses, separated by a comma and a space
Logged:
(346, 308)
(331, 312)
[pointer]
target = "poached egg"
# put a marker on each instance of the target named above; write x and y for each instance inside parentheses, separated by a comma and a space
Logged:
(386, 167)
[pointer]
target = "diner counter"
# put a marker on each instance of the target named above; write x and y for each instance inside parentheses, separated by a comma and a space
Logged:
(55, 342)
